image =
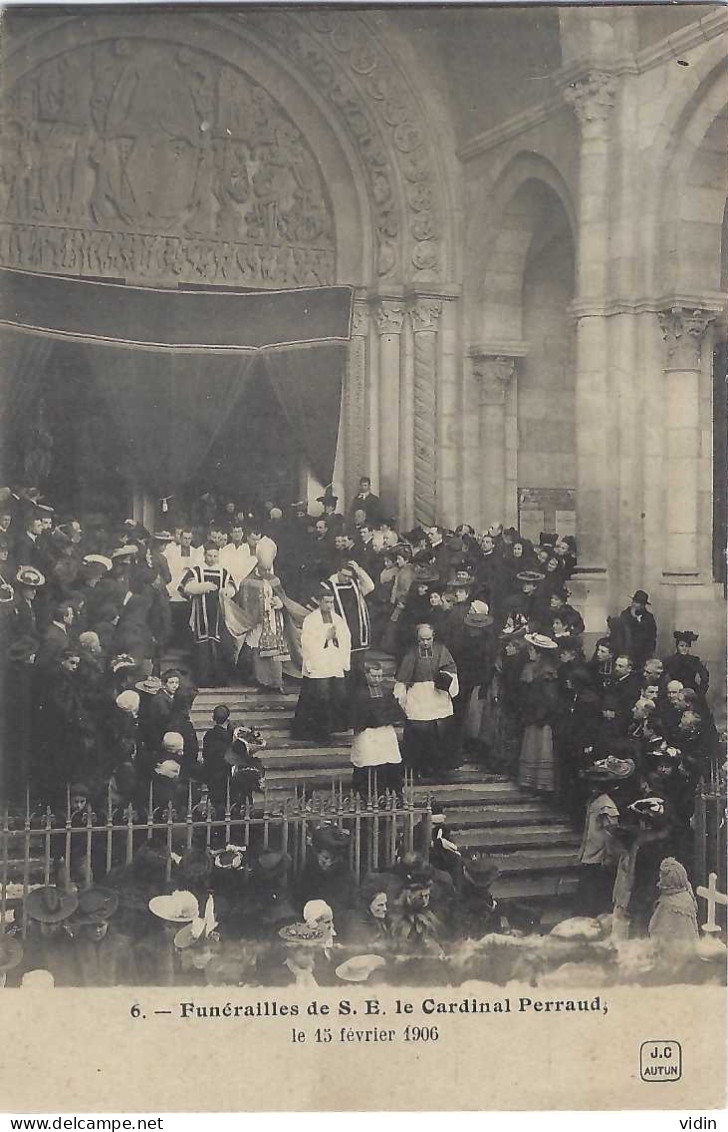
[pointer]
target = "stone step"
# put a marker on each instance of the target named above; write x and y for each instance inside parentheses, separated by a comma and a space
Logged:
(518, 837)
(262, 701)
(255, 717)
(546, 860)
(449, 794)
(313, 778)
(296, 757)
(243, 692)
(535, 888)
(527, 813)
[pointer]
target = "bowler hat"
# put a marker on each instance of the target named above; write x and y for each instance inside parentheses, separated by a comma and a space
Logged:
(640, 597)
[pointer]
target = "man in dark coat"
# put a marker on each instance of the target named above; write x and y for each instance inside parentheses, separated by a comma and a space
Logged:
(28, 580)
(634, 632)
(365, 501)
(64, 735)
(625, 688)
(55, 640)
(26, 550)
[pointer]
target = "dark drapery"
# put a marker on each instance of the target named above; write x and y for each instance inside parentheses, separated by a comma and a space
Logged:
(169, 407)
(172, 364)
(308, 382)
(155, 316)
(23, 359)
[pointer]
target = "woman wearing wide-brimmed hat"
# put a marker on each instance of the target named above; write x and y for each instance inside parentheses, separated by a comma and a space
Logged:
(48, 944)
(538, 706)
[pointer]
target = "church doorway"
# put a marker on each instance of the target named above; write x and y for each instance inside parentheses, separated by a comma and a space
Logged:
(62, 439)
(256, 458)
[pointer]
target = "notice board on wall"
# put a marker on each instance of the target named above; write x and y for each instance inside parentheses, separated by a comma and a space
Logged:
(546, 509)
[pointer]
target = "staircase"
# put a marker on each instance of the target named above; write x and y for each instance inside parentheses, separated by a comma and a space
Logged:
(533, 845)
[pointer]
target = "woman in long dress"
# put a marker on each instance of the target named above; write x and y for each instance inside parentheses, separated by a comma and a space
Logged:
(539, 705)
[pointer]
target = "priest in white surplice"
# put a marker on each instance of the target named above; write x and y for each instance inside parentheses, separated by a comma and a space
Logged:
(326, 647)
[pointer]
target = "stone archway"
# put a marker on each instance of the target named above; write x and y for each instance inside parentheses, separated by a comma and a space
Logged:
(532, 220)
(296, 151)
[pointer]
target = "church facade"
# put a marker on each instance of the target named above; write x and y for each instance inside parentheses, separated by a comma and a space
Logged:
(530, 206)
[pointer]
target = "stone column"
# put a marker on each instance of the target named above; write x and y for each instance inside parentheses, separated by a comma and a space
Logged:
(593, 98)
(493, 374)
(389, 315)
(683, 330)
(356, 457)
(425, 317)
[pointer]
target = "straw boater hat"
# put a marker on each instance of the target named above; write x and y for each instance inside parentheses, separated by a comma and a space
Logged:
(150, 684)
(127, 551)
(29, 576)
(180, 907)
(540, 641)
(359, 968)
(50, 905)
(532, 576)
(11, 952)
(122, 660)
(163, 536)
(99, 561)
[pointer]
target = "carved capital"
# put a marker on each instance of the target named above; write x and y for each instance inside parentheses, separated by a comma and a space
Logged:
(593, 97)
(683, 330)
(493, 373)
(360, 320)
(426, 314)
(389, 315)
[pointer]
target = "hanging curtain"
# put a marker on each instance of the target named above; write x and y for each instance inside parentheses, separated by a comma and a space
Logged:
(307, 381)
(23, 360)
(169, 406)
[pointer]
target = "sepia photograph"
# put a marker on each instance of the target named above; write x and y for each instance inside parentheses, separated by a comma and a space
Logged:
(363, 464)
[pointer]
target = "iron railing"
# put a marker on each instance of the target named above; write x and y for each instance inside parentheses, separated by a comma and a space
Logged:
(39, 846)
(710, 828)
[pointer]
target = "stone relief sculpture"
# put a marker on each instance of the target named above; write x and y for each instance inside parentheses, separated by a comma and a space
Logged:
(142, 159)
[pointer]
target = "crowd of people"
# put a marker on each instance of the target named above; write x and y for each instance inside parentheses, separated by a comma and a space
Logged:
(429, 647)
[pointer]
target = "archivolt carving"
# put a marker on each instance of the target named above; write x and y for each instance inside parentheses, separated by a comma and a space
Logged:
(142, 158)
(357, 75)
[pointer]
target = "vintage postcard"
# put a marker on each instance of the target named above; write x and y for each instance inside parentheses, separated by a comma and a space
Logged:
(363, 557)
